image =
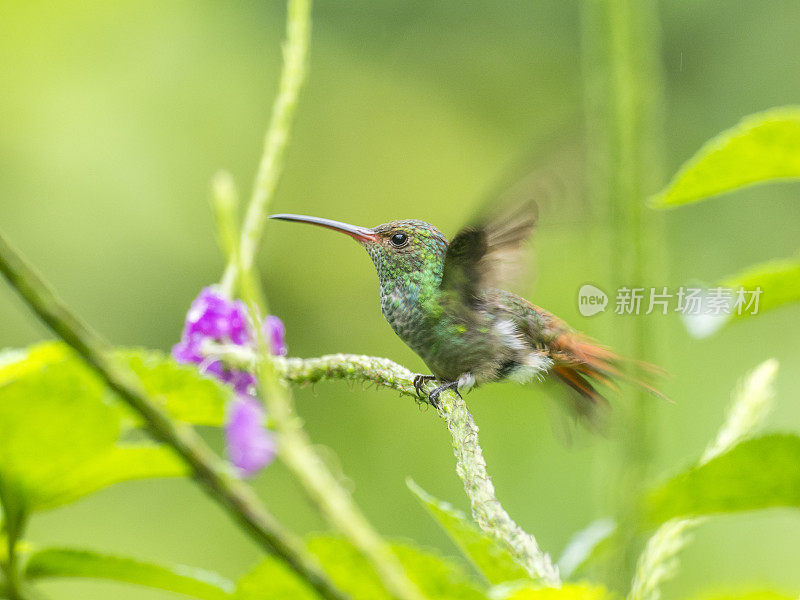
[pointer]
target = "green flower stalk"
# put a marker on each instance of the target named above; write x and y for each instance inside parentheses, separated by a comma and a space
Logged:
(297, 452)
(486, 508)
(659, 559)
(295, 57)
(621, 45)
(752, 402)
(294, 447)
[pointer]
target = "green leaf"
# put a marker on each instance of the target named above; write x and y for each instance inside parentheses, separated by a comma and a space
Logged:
(65, 562)
(436, 578)
(16, 363)
(758, 473)
(751, 292)
(124, 462)
(272, 579)
(586, 545)
(762, 147)
(181, 390)
(489, 557)
(779, 281)
(60, 432)
(52, 421)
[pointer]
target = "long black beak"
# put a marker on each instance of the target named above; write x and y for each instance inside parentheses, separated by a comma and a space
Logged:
(360, 234)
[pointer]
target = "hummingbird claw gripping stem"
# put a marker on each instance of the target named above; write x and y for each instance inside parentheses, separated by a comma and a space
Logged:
(433, 397)
(420, 380)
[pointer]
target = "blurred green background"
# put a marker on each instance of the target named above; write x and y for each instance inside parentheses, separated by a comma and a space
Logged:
(114, 116)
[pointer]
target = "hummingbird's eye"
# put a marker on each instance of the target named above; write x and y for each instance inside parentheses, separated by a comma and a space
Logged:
(399, 239)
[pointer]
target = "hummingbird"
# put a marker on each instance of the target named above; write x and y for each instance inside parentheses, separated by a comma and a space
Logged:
(445, 301)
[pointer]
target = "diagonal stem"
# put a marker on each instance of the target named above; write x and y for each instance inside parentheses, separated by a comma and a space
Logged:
(210, 471)
(486, 508)
(297, 452)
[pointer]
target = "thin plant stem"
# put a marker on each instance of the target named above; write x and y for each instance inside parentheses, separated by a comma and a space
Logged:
(297, 452)
(621, 44)
(295, 57)
(208, 469)
(294, 447)
(486, 508)
(13, 525)
(225, 203)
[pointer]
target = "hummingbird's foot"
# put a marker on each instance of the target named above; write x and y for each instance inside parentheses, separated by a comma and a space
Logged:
(420, 380)
(433, 397)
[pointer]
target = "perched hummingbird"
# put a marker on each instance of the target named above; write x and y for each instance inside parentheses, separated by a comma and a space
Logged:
(444, 301)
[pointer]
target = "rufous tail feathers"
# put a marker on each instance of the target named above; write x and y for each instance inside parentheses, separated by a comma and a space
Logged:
(582, 365)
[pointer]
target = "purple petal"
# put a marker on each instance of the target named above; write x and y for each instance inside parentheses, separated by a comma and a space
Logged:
(238, 329)
(275, 331)
(214, 316)
(242, 381)
(250, 446)
(187, 351)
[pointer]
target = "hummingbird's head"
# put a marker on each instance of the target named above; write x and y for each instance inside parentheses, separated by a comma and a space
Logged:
(407, 251)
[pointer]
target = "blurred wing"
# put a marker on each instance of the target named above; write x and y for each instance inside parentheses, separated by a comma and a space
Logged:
(488, 254)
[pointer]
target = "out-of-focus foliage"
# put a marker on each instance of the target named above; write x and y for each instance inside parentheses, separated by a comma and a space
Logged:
(184, 394)
(764, 147)
(64, 433)
(585, 546)
(65, 562)
(491, 559)
(779, 280)
(437, 578)
(749, 595)
(59, 436)
(659, 560)
(567, 592)
(758, 473)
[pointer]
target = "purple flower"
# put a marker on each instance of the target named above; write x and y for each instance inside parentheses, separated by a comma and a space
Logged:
(214, 317)
(275, 332)
(250, 446)
(211, 316)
